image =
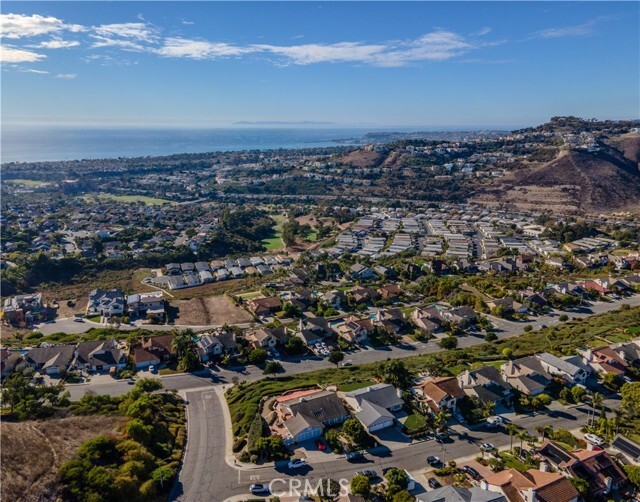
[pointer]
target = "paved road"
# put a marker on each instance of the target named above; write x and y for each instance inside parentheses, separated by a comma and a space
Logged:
(205, 476)
(506, 329)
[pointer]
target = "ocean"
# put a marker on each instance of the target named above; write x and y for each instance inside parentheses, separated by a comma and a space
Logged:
(36, 144)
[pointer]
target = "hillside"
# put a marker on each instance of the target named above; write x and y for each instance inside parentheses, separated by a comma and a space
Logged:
(576, 180)
(628, 144)
(33, 451)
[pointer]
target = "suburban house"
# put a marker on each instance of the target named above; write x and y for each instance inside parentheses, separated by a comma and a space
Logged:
(486, 384)
(527, 375)
(209, 346)
(374, 406)
(305, 414)
(354, 329)
(335, 299)
(143, 357)
(261, 339)
(8, 361)
(629, 352)
(361, 294)
(389, 291)
(439, 394)
(145, 304)
(462, 316)
(452, 493)
(263, 307)
(532, 485)
(425, 321)
(628, 449)
(570, 368)
(20, 309)
(391, 320)
(594, 466)
(101, 355)
(508, 304)
(358, 271)
(317, 325)
(106, 303)
(161, 345)
(604, 360)
(50, 360)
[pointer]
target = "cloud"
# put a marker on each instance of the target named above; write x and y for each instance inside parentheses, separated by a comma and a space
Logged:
(31, 70)
(483, 31)
(579, 30)
(325, 53)
(136, 31)
(16, 26)
(177, 47)
(66, 76)
(56, 44)
(10, 54)
(184, 21)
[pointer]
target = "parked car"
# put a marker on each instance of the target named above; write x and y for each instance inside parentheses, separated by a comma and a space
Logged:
(593, 439)
(368, 473)
(434, 483)
(297, 463)
(494, 421)
(471, 472)
(352, 456)
(487, 447)
(433, 460)
(320, 445)
(259, 488)
(152, 368)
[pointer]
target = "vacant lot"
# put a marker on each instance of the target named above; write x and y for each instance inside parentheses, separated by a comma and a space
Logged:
(33, 451)
(210, 310)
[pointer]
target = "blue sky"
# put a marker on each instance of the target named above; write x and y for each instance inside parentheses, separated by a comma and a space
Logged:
(360, 63)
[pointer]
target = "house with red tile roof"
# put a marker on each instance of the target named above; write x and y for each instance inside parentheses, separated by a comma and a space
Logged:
(532, 485)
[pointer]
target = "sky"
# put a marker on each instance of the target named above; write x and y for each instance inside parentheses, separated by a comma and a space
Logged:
(213, 64)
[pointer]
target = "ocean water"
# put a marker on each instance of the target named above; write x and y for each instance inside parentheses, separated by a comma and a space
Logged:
(35, 144)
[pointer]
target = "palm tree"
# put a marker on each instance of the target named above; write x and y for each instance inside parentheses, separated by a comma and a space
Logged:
(511, 429)
(441, 419)
(596, 401)
(522, 435)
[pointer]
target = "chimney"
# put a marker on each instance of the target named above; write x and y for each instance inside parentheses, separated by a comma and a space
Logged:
(608, 482)
(530, 495)
(399, 393)
(544, 466)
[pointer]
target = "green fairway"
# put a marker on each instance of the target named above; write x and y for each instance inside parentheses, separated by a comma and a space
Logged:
(135, 198)
(27, 183)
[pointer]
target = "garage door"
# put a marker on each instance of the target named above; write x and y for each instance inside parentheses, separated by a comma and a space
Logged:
(313, 433)
(381, 425)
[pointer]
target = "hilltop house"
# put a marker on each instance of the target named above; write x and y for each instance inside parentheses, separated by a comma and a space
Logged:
(374, 406)
(527, 375)
(604, 360)
(486, 384)
(263, 307)
(305, 414)
(569, 368)
(106, 303)
(437, 394)
(101, 355)
(147, 304)
(50, 360)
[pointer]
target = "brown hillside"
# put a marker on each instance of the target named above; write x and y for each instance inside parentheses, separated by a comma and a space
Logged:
(628, 144)
(595, 182)
(362, 158)
(33, 451)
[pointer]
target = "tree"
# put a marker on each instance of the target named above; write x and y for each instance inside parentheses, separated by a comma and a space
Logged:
(403, 496)
(258, 356)
(360, 485)
(540, 401)
(528, 328)
(441, 419)
(272, 367)
(596, 402)
(633, 473)
(582, 485)
(354, 430)
(490, 336)
(336, 357)
(295, 345)
(630, 393)
(611, 381)
(189, 361)
(395, 372)
(565, 395)
(512, 429)
(578, 393)
(291, 310)
(397, 478)
(449, 343)
(563, 318)
(507, 352)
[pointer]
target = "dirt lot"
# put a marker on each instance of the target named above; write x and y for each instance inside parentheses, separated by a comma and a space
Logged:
(33, 451)
(209, 310)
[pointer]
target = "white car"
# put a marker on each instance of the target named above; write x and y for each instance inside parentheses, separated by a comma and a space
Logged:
(593, 439)
(487, 447)
(297, 463)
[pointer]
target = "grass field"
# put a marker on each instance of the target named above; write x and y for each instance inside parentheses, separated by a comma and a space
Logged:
(274, 243)
(135, 198)
(244, 400)
(27, 183)
(414, 422)
(348, 387)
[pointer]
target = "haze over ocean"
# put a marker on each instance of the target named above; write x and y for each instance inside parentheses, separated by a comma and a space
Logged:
(37, 144)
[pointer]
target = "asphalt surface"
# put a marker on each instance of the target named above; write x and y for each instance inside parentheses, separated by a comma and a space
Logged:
(205, 475)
